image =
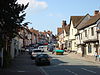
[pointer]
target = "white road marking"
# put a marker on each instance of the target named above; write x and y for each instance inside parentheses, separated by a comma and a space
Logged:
(88, 70)
(71, 71)
(20, 71)
(44, 71)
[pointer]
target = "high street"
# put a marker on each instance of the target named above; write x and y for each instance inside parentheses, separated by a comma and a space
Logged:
(60, 65)
(64, 65)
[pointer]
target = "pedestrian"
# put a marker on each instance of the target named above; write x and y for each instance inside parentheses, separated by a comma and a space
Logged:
(99, 57)
(95, 54)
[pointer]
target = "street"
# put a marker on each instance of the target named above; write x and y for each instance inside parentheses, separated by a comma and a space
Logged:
(63, 65)
(60, 65)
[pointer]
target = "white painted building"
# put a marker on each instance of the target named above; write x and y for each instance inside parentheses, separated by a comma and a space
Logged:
(87, 38)
(74, 21)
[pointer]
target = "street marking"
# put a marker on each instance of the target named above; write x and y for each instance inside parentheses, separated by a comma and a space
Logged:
(42, 70)
(71, 71)
(20, 71)
(88, 70)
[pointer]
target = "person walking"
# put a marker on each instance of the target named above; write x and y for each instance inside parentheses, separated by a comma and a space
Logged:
(96, 56)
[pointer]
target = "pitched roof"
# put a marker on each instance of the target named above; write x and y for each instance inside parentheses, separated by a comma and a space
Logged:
(76, 20)
(83, 21)
(34, 31)
(91, 21)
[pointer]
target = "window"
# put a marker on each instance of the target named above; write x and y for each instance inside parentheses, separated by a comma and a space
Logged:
(80, 37)
(72, 31)
(92, 31)
(89, 48)
(85, 33)
(75, 44)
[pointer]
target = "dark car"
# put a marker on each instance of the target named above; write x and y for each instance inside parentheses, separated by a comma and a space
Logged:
(42, 59)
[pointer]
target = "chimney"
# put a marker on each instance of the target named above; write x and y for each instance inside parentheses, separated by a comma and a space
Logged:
(96, 12)
(64, 23)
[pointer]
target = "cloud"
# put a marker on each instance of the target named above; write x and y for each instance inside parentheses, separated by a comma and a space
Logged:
(34, 5)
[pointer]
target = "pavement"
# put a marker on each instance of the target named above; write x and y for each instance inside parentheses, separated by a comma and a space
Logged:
(22, 64)
(85, 58)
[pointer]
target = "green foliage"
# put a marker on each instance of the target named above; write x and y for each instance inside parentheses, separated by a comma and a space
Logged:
(10, 18)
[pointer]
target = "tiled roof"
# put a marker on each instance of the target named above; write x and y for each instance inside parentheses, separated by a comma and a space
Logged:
(34, 31)
(84, 21)
(76, 20)
(91, 21)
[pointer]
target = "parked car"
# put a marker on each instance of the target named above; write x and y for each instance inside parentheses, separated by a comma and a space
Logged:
(42, 59)
(50, 48)
(35, 52)
(43, 48)
(30, 50)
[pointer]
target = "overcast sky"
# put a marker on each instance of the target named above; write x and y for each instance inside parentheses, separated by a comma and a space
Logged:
(48, 14)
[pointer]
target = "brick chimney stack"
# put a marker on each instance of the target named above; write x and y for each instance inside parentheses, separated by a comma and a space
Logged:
(96, 12)
(64, 23)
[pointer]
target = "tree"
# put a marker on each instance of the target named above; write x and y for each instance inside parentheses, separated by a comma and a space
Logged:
(11, 16)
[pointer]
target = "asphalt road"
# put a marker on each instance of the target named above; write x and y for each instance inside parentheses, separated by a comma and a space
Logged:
(63, 65)
(60, 65)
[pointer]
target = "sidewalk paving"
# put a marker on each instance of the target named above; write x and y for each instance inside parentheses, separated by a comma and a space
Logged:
(22, 64)
(79, 56)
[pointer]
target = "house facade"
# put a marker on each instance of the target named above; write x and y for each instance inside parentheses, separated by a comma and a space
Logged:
(35, 36)
(74, 21)
(88, 41)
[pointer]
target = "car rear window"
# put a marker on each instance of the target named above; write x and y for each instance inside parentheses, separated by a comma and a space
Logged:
(43, 55)
(37, 51)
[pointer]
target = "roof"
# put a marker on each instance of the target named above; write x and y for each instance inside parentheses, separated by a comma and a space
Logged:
(91, 21)
(59, 30)
(34, 31)
(76, 20)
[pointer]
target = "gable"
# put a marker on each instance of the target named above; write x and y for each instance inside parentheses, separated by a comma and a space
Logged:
(85, 19)
(76, 20)
(91, 21)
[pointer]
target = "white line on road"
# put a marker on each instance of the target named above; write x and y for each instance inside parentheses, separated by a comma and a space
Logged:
(20, 71)
(42, 70)
(88, 70)
(71, 71)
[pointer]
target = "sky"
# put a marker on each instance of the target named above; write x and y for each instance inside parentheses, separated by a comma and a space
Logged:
(48, 14)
